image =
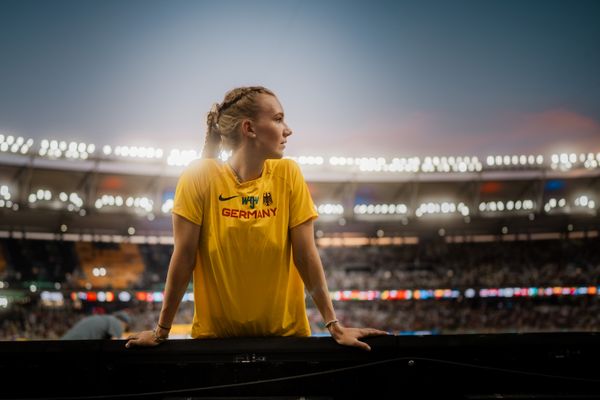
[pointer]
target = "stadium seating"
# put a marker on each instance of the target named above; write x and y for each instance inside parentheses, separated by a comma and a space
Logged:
(38, 260)
(2, 262)
(468, 268)
(123, 263)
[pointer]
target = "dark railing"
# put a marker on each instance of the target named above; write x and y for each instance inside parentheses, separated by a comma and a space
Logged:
(540, 366)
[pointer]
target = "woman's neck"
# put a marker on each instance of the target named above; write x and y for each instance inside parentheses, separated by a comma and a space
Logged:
(246, 168)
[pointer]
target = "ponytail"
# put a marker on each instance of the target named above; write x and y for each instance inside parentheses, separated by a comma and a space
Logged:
(212, 141)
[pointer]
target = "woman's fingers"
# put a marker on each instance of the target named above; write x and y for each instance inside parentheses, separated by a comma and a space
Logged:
(362, 345)
(141, 339)
(353, 334)
(133, 341)
(372, 332)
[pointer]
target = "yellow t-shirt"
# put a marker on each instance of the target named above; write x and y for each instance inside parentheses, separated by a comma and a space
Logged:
(245, 280)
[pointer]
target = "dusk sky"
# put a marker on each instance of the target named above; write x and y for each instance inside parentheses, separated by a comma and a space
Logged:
(356, 78)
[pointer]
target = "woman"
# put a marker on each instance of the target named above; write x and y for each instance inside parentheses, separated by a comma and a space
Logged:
(235, 225)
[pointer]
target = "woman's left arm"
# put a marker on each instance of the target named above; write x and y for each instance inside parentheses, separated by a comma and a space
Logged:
(308, 263)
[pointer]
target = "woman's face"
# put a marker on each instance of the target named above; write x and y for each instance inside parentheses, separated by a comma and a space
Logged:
(270, 128)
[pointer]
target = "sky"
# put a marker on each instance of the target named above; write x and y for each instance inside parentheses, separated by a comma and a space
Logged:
(355, 78)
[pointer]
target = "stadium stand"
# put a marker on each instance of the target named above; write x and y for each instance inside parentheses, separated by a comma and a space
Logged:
(438, 264)
(430, 265)
(2, 262)
(478, 259)
(38, 260)
(156, 259)
(122, 263)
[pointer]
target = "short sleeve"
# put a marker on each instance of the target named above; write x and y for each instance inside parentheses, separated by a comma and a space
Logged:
(115, 328)
(188, 201)
(302, 207)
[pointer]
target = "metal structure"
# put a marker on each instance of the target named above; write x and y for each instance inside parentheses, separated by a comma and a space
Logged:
(110, 195)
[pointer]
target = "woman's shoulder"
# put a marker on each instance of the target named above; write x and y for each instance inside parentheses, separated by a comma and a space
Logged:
(286, 169)
(283, 165)
(203, 167)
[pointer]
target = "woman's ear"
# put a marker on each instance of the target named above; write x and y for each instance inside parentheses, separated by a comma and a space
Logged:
(248, 128)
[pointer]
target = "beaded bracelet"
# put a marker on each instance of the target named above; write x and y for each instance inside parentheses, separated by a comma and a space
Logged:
(159, 339)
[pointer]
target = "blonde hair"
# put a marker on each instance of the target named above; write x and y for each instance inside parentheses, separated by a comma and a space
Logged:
(223, 120)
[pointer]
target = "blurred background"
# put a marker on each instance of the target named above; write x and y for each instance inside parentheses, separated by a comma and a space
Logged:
(452, 150)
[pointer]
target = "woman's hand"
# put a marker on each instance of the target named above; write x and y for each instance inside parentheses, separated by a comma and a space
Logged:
(146, 338)
(349, 336)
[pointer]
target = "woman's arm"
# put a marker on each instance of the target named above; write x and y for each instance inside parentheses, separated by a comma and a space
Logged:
(186, 235)
(308, 262)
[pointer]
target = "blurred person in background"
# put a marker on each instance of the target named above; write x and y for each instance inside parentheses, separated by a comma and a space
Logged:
(235, 225)
(100, 327)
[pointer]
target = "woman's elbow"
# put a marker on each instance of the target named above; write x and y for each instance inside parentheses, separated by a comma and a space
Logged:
(183, 260)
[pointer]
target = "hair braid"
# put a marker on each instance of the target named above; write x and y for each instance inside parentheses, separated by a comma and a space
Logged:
(212, 140)
(222, 121)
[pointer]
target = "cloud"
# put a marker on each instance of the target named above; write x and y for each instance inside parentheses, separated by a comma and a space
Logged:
(546, 132)
(551, 130)
(405, 135)
(428, 132)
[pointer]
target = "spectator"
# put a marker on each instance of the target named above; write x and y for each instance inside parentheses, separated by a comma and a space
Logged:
(100, 327)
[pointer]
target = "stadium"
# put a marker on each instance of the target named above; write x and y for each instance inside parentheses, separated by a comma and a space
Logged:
(439, 245)
(299, 199)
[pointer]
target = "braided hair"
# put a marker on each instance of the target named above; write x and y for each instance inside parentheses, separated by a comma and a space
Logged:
(223, 120)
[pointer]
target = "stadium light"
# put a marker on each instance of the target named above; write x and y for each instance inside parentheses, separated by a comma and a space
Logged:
(224, 156)
(179, 158)
(585, 202)
(135, 152)
(167, 206)
(140, 203)
(330, 209)
(15, 144)
(80, 151)
(5, 198)
(309, 160)
(442, 208)
(553, 203)
(380, 209)
(510, 205)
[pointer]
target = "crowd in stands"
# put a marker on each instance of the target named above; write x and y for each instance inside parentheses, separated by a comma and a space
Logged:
(38, 260)
(453, 316)
(477, 265)
(468, 316)
(35, 321)
(428, 265)
(434, 264)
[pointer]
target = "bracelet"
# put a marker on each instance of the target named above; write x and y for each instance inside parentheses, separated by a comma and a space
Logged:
(163, 327)
(159, 339)
(333, 321)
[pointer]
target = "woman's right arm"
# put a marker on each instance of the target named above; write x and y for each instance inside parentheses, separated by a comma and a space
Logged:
(186, 235)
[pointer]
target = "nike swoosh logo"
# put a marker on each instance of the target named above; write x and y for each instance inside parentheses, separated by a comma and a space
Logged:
(226, 198)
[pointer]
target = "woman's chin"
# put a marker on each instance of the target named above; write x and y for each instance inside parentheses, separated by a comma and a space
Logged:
(276, 155)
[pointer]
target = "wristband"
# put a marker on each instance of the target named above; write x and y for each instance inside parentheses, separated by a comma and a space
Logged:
(163, 327)
(333, 321)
